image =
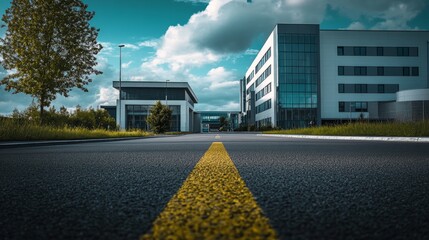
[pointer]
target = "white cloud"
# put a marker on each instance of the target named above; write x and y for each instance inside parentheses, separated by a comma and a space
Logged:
(220, 78)
(251, 52)
(149, 43)
(131, 46)
(193, 1)
(127, 64)
(107, 48)
(356, 26)
(387, 14)
(107, 96)
(397, 17)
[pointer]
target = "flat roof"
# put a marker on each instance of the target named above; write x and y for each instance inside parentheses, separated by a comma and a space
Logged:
(157, 84)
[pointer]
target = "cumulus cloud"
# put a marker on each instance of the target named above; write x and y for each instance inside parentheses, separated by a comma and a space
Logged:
(387, 14)
(219, 78)
(127, 64)
(251, 52)
(397, 16)
(107, 96)
(356, 26)
(131, 46)
(193, 1)
(217, 90)
(149, 43)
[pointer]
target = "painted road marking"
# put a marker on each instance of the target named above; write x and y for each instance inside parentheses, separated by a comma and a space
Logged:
(212, 203)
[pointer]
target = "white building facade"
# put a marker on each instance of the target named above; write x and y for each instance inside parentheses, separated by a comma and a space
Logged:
(303, 76)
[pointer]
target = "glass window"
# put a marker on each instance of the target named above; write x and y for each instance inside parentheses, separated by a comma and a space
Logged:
(340, 51)
(360, 71)
(341, 88)
(281, 38)
(390, 51)
(403, 51)
(415, 71)
(349, 88)
(340, 70)
(380, 51)
(380, 88)
(359, 51)
(406, 71)
(356, 51)
(380, 71)
(341, 106)
(406, 51)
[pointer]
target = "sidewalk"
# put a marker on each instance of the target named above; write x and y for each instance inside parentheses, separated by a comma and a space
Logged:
(352, 138)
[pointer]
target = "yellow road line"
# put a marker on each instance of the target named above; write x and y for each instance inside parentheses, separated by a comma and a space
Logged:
(213, 203)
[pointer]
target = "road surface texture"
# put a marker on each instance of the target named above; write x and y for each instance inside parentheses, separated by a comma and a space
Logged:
(307, 189)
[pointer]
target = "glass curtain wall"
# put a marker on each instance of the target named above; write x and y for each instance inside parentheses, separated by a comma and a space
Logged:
(136, 116)
(298, 61)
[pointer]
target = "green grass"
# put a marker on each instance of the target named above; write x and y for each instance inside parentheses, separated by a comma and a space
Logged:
(411, 129)
(13, 131)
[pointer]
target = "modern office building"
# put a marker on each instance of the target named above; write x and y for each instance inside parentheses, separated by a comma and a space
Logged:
(211, 120)
(137, 97)
(303, 75)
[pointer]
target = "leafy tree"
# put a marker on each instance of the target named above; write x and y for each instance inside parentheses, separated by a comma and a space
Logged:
(50, 47)
(224, 123)
(159, 118)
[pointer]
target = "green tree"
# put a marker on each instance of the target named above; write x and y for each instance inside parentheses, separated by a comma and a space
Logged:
(159, 118)
(50, 47)
(224, 123)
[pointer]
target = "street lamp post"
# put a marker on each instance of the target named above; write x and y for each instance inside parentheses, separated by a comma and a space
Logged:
(166, 97)
(120, 79)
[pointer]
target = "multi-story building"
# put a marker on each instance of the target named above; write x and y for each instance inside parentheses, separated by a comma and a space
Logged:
(303, 76)
(211, 120)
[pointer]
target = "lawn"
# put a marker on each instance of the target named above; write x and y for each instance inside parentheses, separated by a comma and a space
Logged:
(410, 129)
(14, 131)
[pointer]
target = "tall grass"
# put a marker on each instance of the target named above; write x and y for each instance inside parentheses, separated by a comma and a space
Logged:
(12, 130)
(409, 129)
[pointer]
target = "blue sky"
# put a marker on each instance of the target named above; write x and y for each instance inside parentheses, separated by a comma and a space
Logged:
(209, 44)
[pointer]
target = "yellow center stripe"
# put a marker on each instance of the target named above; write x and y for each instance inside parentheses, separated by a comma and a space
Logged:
(213, 203)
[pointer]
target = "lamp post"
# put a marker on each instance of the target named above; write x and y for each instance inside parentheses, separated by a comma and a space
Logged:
(166, 97)
(120, 78)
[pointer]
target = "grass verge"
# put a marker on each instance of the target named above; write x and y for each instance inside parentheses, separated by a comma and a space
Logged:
(396, 129)
(13, 131)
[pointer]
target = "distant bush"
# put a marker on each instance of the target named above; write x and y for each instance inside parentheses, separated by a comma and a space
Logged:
(16, 129)
(80, 118)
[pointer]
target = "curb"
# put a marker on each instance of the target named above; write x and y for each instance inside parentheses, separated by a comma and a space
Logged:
(75, 141)
(352, 138)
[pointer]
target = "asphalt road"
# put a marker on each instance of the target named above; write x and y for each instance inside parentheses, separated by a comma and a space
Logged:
(308, 189)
